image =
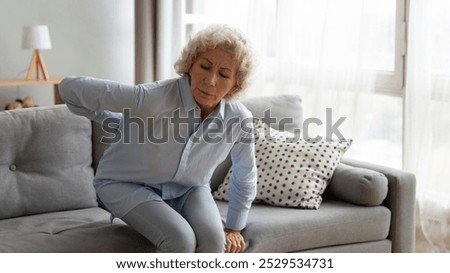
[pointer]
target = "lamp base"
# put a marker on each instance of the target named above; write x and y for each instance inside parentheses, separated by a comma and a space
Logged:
(37, 62)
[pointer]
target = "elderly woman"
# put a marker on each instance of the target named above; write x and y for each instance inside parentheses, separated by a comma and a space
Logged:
(174, 133)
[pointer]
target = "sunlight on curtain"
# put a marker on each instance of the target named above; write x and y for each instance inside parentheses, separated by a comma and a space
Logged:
(330, 53)
(427, 120)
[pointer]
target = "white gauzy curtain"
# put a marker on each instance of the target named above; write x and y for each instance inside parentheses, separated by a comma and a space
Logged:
(427, 120)
(329, 53)
(160, 35)
(324, 51)
(320, 52)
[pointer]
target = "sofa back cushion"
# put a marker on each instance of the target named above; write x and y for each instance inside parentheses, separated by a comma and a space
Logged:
(45, 161)
(285, 111)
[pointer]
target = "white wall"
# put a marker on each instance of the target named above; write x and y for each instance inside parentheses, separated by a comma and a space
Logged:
(89, 37)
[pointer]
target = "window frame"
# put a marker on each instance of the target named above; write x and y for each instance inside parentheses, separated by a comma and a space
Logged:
(393, 83)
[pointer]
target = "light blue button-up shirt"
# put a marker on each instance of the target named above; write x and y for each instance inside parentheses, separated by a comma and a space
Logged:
(164, 144)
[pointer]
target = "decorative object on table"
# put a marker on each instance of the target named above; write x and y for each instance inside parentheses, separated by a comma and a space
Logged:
(37, 38)
(26, 102)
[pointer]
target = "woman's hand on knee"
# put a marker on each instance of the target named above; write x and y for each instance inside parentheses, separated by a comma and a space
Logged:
(235, 241)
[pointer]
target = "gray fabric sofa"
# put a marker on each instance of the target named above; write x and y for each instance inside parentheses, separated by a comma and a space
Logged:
(48, 204)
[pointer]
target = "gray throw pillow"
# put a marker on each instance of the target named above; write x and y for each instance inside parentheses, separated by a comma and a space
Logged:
(358, 186)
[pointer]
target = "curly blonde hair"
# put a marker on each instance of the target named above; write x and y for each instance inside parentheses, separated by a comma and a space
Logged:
(224, 37)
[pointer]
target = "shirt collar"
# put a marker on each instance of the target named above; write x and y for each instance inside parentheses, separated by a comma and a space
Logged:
(221, 109)
(188, 102)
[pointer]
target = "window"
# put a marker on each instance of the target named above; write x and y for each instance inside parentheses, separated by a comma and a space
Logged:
(345, 54)
(382, 23)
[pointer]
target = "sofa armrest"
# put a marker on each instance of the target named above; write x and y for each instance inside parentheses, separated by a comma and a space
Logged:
(400, 200)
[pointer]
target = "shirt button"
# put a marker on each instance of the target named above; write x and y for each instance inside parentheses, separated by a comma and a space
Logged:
(12, 167)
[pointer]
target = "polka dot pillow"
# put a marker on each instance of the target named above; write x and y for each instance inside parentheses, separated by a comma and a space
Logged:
(292, 172)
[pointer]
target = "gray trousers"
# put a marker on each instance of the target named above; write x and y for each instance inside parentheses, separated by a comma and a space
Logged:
(190, 223)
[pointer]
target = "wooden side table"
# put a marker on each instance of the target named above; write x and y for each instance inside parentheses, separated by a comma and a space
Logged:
(20, 82)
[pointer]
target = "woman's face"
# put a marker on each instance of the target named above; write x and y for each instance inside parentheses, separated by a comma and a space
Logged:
(213, 75)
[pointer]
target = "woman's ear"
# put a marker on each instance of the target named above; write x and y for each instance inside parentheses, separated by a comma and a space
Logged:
(235, 89)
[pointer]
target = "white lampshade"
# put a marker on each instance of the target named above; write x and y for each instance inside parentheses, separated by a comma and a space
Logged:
(36, 37)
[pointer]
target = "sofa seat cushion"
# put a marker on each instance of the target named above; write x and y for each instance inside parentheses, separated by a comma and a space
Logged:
(279, 229)
(75, 231)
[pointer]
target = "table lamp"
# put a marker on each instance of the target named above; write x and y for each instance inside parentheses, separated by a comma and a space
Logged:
(36, 37)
